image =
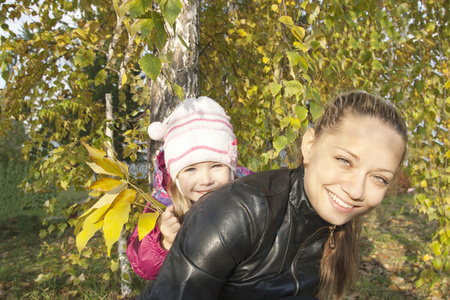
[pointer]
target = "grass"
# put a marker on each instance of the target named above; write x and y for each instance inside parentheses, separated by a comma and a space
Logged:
(394, 239)
(393, 243)
(34, 268)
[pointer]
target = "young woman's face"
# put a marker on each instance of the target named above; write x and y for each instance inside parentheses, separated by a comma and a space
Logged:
(198, 179)
(350, 168)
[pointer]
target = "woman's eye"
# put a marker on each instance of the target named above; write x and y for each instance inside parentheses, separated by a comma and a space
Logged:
(381, 180)
(344, 161)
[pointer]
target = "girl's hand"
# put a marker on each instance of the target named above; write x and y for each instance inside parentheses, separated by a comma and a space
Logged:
(169, 226)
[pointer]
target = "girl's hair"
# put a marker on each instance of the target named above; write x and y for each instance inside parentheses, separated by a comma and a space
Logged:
(339, 266)
(180, 202)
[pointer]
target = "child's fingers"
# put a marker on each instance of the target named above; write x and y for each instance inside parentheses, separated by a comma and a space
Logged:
(168, 213)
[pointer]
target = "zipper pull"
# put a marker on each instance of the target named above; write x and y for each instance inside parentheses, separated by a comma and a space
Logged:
(331, 237)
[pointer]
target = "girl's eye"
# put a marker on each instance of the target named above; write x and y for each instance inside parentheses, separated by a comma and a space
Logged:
(381, 180)
(217, 166)
(189, 170)
(344, 161)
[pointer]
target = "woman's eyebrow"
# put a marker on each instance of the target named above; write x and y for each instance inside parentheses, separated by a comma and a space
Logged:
(350, 153)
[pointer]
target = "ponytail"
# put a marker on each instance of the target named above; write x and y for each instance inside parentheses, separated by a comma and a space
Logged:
(339, 266)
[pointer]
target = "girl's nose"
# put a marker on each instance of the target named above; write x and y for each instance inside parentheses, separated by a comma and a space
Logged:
(205, 178)
(354, 186)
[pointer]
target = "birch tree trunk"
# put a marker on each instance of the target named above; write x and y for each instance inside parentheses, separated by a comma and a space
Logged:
(124, 265)
(183, 71)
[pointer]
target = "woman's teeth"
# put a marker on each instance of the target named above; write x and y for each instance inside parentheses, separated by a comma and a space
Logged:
(339, 201)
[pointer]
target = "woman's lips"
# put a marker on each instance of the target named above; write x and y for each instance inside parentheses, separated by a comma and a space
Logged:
(339, 201)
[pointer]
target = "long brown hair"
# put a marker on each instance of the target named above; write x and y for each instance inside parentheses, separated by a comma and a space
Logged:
(339, 266)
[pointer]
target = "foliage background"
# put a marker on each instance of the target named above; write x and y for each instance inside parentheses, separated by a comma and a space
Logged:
(265, 62)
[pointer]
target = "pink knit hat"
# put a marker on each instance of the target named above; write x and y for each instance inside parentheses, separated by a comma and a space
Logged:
(198, 130)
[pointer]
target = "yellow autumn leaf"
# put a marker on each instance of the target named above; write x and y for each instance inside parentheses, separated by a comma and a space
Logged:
(114, 265)
(127, 196)
(146, 223)
(86, 234)
(123, 167)
(96, 215)
(99, 170)
(109, 197)
(114, 221)
(299, 32)
(106, 163)
(95, 154)
(105, 184)
(109, 165)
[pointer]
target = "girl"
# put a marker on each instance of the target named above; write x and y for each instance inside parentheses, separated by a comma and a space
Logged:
(199, 155)
(291, 233)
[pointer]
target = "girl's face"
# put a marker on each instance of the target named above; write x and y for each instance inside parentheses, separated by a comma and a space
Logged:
(198, 179)
(349, 169)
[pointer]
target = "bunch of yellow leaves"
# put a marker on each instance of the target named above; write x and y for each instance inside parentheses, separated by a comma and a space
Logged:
(111, 211)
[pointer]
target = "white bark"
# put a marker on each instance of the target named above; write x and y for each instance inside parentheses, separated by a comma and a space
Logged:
(184, 70)
(124, 265)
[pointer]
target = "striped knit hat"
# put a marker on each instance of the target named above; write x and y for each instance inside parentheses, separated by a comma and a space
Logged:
(198, 130)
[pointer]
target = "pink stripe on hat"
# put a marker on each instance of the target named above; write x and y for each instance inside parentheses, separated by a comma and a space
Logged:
(198, 120)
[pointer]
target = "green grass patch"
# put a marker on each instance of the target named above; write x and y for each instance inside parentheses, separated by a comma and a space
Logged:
(394, 239)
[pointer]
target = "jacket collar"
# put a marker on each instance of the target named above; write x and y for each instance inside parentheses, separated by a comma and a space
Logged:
(300, 202)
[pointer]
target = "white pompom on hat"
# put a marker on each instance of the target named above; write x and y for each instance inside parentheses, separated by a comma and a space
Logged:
(198, 130)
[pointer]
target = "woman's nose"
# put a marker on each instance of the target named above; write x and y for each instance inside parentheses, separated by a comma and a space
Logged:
(354, 186)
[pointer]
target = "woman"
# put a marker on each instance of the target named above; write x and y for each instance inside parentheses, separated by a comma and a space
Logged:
(294, 232)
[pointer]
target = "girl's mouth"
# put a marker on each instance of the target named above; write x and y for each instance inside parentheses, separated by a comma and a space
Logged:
(203, 192)
(339, 201)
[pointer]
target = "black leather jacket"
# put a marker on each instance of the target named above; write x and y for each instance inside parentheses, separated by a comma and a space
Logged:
(255, 238)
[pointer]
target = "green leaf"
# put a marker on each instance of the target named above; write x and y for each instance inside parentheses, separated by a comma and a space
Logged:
(150, 65)
(146, 28)
(420, 86)
(293, 87)
(286, 20)
(171, 10)
(160, 37)
(301, 112)
(291, 135)
(146, 223)
(184, 43)
(274, 89)
(293, 58)
(303, 64)
(100, 78)
(178, 91)
(366, 56)
(315, 109)
(285, 122)
(136, 8)
(279, 142)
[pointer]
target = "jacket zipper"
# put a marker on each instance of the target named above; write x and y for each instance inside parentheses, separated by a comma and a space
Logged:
(297, 283)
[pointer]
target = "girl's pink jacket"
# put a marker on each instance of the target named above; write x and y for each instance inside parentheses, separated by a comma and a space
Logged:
(147, 256)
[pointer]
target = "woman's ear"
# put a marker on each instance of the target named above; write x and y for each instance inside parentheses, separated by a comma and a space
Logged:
(307, 143)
